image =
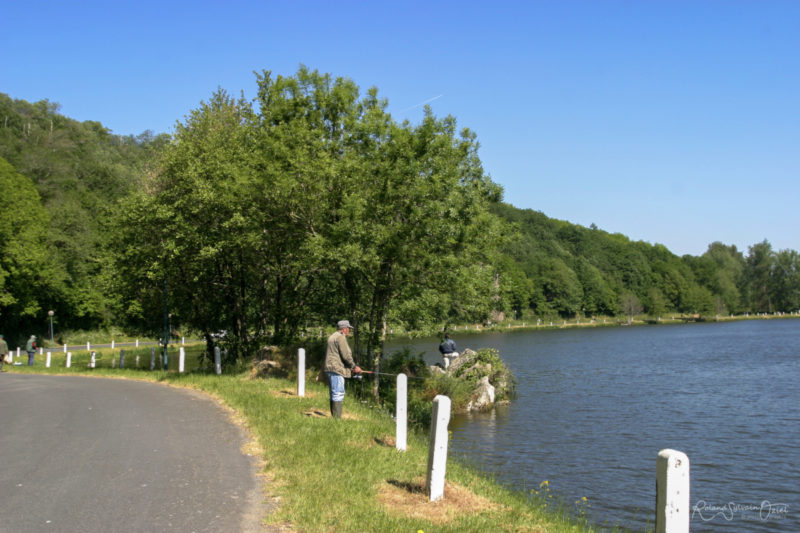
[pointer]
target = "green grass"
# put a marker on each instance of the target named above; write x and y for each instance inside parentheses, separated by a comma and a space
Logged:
(329, 474)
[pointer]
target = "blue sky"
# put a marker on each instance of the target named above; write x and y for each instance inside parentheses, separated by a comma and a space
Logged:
(671, 122)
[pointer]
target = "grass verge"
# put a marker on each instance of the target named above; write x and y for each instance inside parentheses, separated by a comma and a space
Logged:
(346, 475)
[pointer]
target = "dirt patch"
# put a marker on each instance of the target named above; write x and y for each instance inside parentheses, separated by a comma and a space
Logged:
(291, 393)
(409, 498)
(386, 440)
(319, 413)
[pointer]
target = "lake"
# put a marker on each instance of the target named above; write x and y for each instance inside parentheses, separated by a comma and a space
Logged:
(596, 405)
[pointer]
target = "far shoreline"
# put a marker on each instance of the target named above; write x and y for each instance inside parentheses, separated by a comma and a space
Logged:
(598, 322)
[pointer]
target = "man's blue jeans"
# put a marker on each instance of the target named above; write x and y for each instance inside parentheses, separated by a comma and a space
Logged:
(30, 358)
(336, 382)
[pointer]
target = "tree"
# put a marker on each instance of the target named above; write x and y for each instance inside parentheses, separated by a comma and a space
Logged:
(31, 282)
(630, 305)
(757, 273)
(785, 282)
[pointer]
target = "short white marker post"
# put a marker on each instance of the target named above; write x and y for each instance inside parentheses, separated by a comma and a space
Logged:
(672, 492)
(17, 352)
(112, 344)
(301, 372)
(69, 359)
(183, 340)
(41, 350)
(93, 360)
(65, 348)
(401, 412)
(137, 361)
(47, 362)
(181, 360)
(137, 343)
(217, 361)
(437, 448)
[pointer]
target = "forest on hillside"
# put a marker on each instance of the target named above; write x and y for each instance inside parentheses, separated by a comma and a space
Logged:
(271, 217)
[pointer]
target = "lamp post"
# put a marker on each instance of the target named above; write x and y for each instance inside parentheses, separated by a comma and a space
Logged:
(50, 314)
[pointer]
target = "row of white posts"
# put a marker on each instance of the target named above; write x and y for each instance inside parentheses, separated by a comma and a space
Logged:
(672, 467)
(181, 360)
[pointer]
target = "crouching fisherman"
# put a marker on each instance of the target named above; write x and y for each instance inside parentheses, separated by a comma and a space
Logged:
(339, 365)
(448, 350)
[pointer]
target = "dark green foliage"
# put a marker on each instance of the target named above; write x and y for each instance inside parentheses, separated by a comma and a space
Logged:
(576, 271)
(308, 205)
(79, 170)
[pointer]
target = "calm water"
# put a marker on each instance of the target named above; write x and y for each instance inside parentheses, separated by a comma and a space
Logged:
(595, 406)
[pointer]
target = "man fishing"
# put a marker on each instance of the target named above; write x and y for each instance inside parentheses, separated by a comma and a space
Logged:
(339, 365)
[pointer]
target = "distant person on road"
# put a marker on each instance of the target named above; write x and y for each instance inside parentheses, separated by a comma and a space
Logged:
(3, 351)
(31, 349)
(448, 350)
(339, 364)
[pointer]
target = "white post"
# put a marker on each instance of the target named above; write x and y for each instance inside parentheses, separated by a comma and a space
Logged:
(47, 362)
(137, 343)
(217, 361)
(69, 359)
(17, 352)
(437, 448)
(137, 361)
(401, 412)
(181, 360)
(183, 340)
(88, 347)
(672, 492)
(65, 348)
(93, 360)
(112, 344)
(301, 372)
(41, 350)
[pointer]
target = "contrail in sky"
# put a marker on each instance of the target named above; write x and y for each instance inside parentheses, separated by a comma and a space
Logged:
(428, 101)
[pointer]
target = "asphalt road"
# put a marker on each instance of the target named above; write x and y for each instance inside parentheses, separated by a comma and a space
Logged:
(96, 455)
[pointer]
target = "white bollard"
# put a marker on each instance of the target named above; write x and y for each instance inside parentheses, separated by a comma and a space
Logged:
(183, 340)
(181, 360)
(137, 361)
(41, 350)
(88, 346)
(217, 361)
(437, 448)
(69, 359)
(137, 343)
(401, 412)
(17, 352)
(93, 360)
(301, 372)
(65, 348)
(672, 492)
(47, 362)
(112, 344)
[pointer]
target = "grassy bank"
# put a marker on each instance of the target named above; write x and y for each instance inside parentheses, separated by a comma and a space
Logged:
(346, 475)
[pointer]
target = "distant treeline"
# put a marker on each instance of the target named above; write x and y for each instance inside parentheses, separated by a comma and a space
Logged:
(310, 204)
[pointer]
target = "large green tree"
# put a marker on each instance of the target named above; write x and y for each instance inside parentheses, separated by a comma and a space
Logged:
(31, 281)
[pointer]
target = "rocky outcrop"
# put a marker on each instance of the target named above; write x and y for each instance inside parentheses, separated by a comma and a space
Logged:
(492, 381)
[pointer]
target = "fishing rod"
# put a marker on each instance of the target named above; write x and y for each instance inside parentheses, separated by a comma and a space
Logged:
(360, 375)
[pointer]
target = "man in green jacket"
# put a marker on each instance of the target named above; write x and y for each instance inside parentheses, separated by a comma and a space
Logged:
(338, 365)
(31, 349)
(3, 351)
